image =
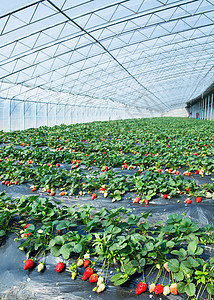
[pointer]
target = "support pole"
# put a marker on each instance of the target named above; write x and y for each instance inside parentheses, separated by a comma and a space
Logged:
(211, 110)
(24, 115)
(36, 110)
(47, 115)
(208, 107)
(56, 114)
(10, 115)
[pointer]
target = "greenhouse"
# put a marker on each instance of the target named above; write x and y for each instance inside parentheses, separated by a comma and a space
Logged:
(107, 149)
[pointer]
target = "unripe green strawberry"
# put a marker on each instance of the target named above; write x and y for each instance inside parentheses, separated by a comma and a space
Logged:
(73, 275)
(80, 262)
(40, 267)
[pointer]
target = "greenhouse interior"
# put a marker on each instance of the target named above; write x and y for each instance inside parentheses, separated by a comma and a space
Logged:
(107, 149)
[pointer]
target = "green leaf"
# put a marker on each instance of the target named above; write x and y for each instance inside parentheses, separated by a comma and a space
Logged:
(121, 281)
(212, 260)
(193, 262)
(77, 248)
(170, 244)
(211, 273)
(190, 289)
(186, 267)
(149, 246)
(178, 276)
(116, 230)
(173, 265)
(59, 240)
(176, 252)
(129, 269)
(55, 251)
(210, 288)
(142, 262)
(192, 246)
(199, 251)
(186, 222)
(52, 243)
(116, 277)
(65, 250)
(2, 233)
(181, 287)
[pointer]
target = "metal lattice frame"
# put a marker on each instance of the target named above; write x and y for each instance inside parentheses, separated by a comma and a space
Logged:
(153, 54)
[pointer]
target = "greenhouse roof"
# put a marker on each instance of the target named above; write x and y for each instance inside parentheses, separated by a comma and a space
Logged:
(154, 54)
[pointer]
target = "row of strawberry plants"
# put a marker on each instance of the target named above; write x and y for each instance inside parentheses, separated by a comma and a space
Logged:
(116, 238)
(146, 185)
(161, 159)
(176, 143)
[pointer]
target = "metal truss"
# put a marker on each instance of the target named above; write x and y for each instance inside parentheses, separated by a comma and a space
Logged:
(147, 54)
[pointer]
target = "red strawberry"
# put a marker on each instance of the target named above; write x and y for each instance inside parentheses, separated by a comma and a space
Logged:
(146, 201)
(195, 154)
(198, 199)
(27, 234)
(52, 194)
(34, 189)
(137, 199)
(187, 189)
(181, 192)
(6, 182)
(159, 170)
(57, 165)
(3, 182)
(16, 182)
(48, 190)
(165, 196)
(86, 263)
(93, 278)
(60, 267)
(26, 226)
(196, 172)
(158, 289)
(28, 264)
(94, 196)
(188, 201)
(141, 288)
(88, 272)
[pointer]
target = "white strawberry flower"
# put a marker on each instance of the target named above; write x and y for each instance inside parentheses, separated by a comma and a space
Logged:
(87, 256)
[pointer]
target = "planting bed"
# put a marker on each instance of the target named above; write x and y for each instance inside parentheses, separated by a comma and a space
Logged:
(132, 195)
